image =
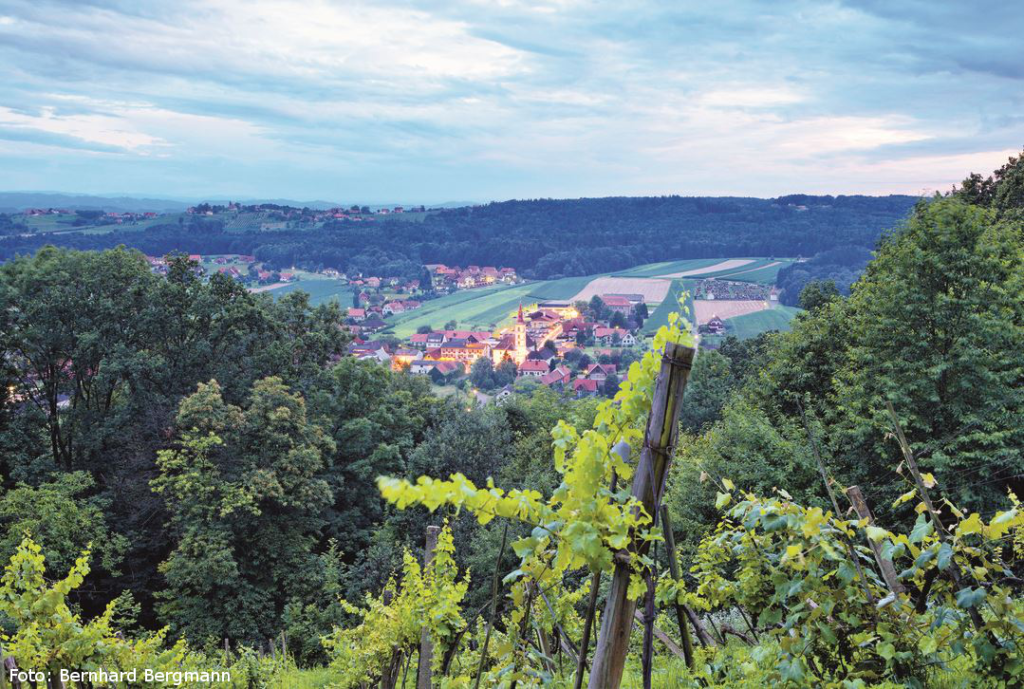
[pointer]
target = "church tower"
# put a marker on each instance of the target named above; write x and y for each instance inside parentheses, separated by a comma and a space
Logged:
(520, 337)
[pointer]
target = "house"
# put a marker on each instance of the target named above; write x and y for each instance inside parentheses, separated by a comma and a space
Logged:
(373, 282)
(533, 367)
(503, 395)
(445, 371)
(357, 314)
(463, 351)
(600, 372)
(715, 326)
(393, 307)
(195, 257)
(288, 277)
(373, 323)
(584, 387)
(558, 378)
(633, 299)
(617, 303)
(419, 340)
(607, 336)
(404, 357)
(435, 339)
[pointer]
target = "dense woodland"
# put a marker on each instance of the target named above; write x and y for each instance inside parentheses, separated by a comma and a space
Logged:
(219, 461)
(541, 239)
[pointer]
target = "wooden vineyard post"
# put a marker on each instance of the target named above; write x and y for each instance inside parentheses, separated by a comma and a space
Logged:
(648, 484)
(673, 569)
(426, 645)
(622, 450)
(860, 506)
(940, 529)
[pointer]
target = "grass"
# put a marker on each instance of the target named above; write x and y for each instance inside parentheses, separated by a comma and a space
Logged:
(753, 324)
(562, 289)
(320, 291)
(760, 272)
(669, 305)
(656, 269)
(483, 308)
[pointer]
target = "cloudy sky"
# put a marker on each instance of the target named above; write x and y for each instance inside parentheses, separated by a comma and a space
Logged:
(471, 100)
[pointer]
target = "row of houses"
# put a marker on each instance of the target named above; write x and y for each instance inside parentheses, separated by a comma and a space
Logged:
(449, 361)
(446, 277)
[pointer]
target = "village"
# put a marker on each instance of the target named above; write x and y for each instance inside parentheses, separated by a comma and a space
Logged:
(579, 347)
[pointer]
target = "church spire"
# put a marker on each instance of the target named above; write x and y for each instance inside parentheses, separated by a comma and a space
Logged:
(520, 317)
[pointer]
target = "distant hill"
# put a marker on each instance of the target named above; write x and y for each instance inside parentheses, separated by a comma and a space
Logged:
(16, 201)
(542, 238)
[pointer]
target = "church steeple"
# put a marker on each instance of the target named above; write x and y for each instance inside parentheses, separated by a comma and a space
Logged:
(519, 337)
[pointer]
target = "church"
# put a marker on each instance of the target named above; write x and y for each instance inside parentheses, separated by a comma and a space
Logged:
(514, 346)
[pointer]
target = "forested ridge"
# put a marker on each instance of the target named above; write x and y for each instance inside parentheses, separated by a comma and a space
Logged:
(234, 480)
(542, 239)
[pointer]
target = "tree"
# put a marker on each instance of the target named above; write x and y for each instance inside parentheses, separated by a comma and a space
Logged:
(424, 330)
(936, 319)
(506, 373)
(611, 385)
(62, 520)
(617, 320)
(711, 384)
(481, 374)
(245, 492)
(818, 292)
(451, 325)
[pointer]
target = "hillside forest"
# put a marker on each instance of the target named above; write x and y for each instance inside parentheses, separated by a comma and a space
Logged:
(541, 239)
(196, 477)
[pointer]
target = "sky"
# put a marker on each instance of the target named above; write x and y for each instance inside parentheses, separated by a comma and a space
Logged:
(476, 100)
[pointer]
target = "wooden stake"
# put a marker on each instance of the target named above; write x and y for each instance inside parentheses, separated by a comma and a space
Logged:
(940, 529)
(426, 645)
(851, 551)
(860, 505)
(622, 449)
(648, 485)
(494, 608)
(673, 569)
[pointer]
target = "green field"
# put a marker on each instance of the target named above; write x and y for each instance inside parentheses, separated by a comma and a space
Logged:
(753, 324)
(565, 288)
(752, 272)
(320, 291)
(671, 303)
(483, 308)
(655, 269)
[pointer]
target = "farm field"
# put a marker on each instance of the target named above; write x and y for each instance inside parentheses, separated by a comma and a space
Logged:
(562, 289)
(670, 303)
(488, 308)
(704, 310)
(759, 270)
(320, 291)
(753, 324)
(653, 289)
(722, 266)
(481, 308)
(667, 267)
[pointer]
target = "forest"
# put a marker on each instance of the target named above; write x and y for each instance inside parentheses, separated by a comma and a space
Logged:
(195, 478)
(541, 239)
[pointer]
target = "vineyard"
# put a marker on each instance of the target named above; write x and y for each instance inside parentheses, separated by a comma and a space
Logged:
(199, 488)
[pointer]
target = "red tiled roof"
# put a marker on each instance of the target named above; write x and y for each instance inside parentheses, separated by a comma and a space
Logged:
(533, 365)
(584, 384)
